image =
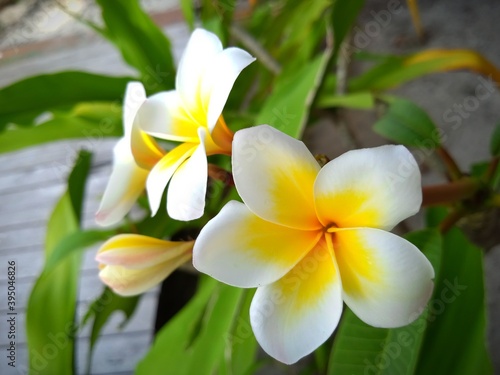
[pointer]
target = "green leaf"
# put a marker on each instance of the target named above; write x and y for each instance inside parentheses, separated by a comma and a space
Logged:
(287, 108)
(360, 349)
(406, 123)
(358, 100)
(187, 7)
(218, 321)
(495, 141)
(455, 340)
(30, 97)
(242, 347)
(435, 215)
(73, 243)
(396, 70)
(101, 309)
(91, 121)
(142, 44)
(193, 341)
(176, 335)
(50, 325)
(344, 15)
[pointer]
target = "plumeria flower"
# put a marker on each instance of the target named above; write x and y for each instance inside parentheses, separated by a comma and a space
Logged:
(128, 179)
(131, 264)
(191, 115)
(311, 239)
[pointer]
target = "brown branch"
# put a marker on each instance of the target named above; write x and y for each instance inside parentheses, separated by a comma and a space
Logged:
(451, 165)
(449, 193)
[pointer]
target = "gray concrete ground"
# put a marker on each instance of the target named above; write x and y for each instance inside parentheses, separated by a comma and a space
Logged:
(45, 40)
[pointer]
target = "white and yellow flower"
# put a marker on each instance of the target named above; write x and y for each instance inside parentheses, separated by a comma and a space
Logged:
(311, 239)
(128, 180)
(131, 264)
(191, 115)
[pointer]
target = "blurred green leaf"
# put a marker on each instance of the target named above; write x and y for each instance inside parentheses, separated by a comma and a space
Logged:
(99, 312)
(360, 349)
(299, 44)
(187, 7)
(455, 340)
(75, 242)
(406, 123)
(90, 121)
(210, 344)
(32, 96)
(495, 141)
(288, 106)
(358, 100)
(50, 325)
(344, 14)
(142, 44)
(175, 337)
(435, 215)
(242, 347)
(396, 70)
(216, 16)
(197, 335)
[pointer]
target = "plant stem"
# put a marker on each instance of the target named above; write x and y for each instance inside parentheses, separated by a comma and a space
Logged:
(451, 220)
(454, 171)
(449, 193)
(218, 173)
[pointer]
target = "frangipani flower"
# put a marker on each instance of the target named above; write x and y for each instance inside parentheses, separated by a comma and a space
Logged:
(191, 114)
(131, 263)
(311, 239)
(128, 180)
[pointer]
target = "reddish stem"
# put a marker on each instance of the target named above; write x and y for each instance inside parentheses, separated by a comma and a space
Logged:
(449, 193)
(454, 171)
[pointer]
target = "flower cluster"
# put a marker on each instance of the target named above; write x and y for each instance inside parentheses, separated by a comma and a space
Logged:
(309, 238)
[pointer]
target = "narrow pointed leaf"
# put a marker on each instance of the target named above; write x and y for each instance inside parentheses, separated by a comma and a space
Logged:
(287, 108)
(32, 96)
(394, 71)
(100, 311)
(52, 303)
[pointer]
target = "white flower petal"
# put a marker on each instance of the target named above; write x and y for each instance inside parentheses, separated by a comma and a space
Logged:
(274, 174)
(188, 186)
(386, 280)
(202, 48)
(240, 249)
(135, 95)
(218, 80)
(162, 172)
(125, 185)
(163, 115)
(295, 315)
(375, 187)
